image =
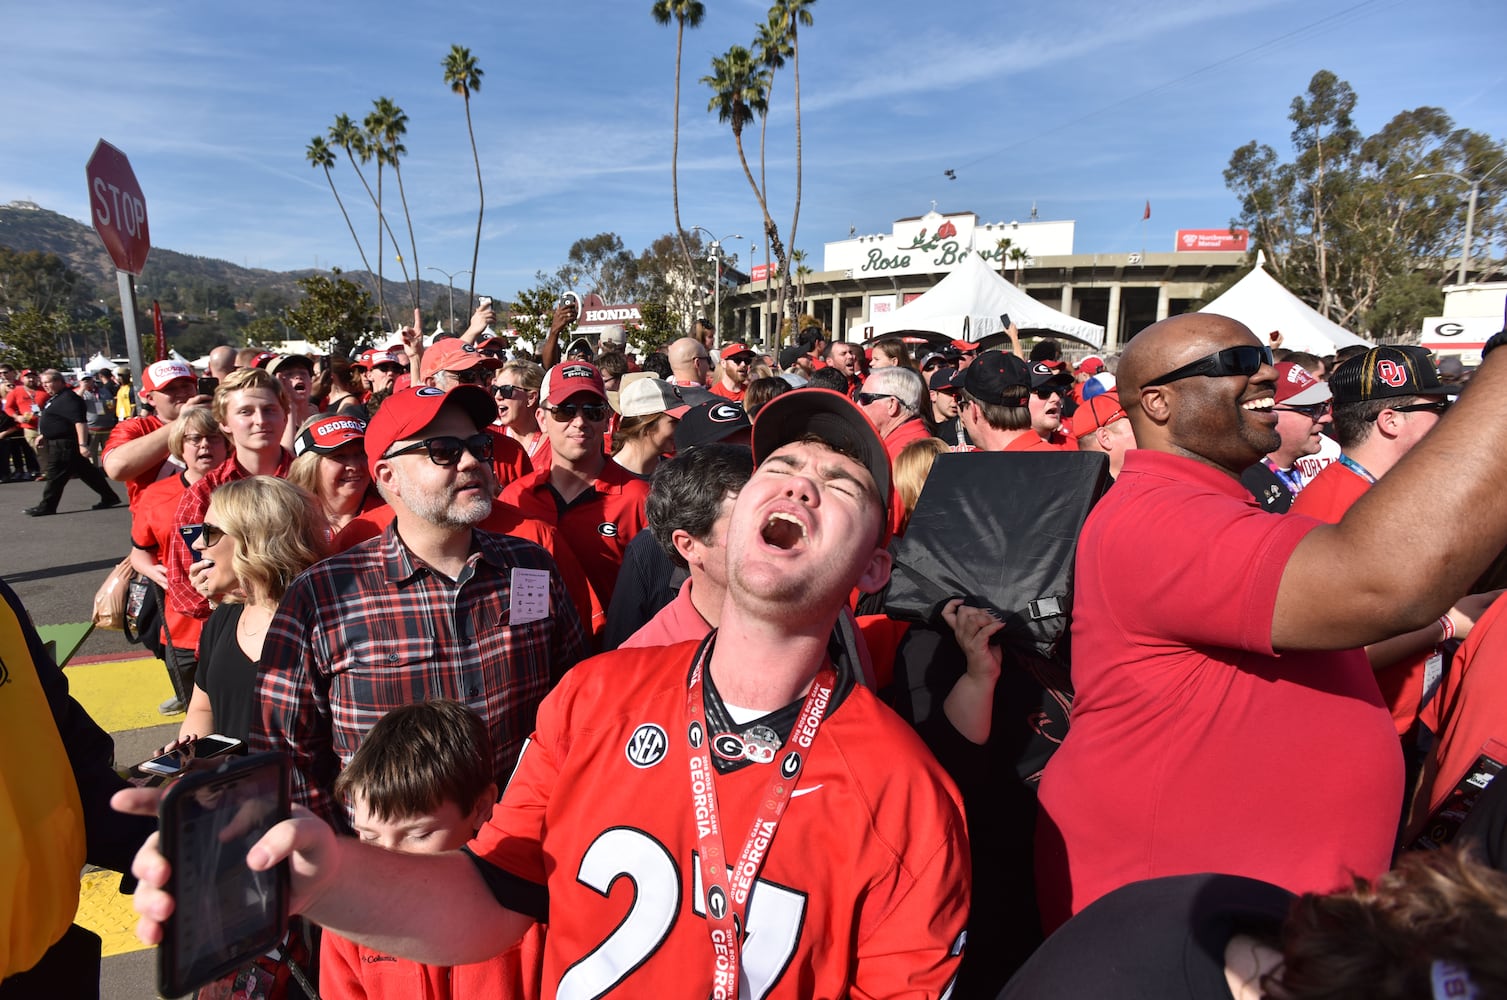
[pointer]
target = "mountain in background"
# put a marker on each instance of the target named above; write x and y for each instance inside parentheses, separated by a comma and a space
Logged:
(191, 285)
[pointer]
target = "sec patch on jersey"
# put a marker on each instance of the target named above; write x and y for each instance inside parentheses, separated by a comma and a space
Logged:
(647, 746)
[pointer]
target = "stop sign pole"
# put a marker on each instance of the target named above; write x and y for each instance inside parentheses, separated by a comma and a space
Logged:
(119, 212)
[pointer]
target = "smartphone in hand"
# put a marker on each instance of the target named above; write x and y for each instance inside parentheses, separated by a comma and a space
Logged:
(225, 913)
(176, 761)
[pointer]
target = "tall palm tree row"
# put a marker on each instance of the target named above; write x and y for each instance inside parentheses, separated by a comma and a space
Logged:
(792, 15)
(346, 134)
(771, 49)
(387, 124)
(464, 78)
(319, 154)
(740, 90)
(682, 12)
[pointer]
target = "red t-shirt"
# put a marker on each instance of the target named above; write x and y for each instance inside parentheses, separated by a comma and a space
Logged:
(25, 405)
(597, 526)
(719, 388)
(349, 971)
(1194, 747)
(152, 531)
(1030, 441)
(130, 430)
(1331, 493)
(369, 523)
(863, 893)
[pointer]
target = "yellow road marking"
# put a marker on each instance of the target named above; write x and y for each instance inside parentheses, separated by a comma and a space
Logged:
(122, 695)
(103, 910)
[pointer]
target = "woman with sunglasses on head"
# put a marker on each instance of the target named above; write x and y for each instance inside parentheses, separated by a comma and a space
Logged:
(259, 533)
(331, 464)
(515, 389)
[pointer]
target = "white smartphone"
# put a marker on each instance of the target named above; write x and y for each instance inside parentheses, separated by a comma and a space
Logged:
(177, 761)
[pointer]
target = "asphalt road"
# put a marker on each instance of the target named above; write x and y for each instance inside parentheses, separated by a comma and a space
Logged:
(56, 564)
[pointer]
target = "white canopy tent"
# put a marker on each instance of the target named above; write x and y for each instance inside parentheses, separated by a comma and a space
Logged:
(1261, 303)
(967, 304)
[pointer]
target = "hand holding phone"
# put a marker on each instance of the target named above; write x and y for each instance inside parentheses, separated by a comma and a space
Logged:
(207, 386)
(179, 756)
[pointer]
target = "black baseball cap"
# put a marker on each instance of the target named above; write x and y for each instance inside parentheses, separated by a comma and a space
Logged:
(993, 372)
(1048, 373)
(832, 417)
(1387, 372)
(945, 378)
(709, 423)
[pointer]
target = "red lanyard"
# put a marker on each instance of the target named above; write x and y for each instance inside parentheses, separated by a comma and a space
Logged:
(726, 907)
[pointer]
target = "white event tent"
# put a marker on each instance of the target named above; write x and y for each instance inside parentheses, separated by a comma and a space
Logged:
(966, 305)
(1258, 301)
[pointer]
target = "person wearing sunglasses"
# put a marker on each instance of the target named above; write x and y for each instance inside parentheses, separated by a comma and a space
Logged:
(1385, 402)
(995, 405)
(1050, 385)
(733, 370)
(596, 505)
(430, 608)
(1226, 718)
(515, 388)
(449, 363)
(1302, 409)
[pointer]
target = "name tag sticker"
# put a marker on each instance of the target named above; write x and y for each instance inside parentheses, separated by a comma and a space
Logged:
(530, 596)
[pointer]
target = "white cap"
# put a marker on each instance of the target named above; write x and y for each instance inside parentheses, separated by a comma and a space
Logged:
(647, 396)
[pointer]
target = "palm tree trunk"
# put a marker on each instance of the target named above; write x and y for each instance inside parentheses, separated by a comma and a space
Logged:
(764, 183)
(771, 231)
(675, 157)
(795, 46)
(481, 199)
(346, 216)
(381, 285)
(402, 196)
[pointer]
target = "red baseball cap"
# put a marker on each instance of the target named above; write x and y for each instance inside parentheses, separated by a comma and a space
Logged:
(1296, 386)
(262, 359)
(735, 350)
(409, 411)
(565, 380)
(328, 434)
(1091, 365)
(1098, 411)
(160, 373)
(452, 355)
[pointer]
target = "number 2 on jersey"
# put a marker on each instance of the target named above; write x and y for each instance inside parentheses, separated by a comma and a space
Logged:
(775, 914)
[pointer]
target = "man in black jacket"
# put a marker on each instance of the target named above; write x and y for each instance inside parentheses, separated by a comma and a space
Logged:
(63, 444)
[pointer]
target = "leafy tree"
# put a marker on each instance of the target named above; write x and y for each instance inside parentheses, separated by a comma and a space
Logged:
(531, 311)
(333, 314)
(319, 154)
(683, 12)
(664, 280)
(1350, 216)
(41, 281)
(265, 330)
(660, 326)
(1401, 307)
(602, 265)
(463, 77)
(29, 338)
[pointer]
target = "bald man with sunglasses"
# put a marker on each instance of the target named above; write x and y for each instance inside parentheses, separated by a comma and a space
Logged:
(595, 504)
(431, 608)
(1226, 718)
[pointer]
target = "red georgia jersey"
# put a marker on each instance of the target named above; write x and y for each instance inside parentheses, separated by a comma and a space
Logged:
(864, 892)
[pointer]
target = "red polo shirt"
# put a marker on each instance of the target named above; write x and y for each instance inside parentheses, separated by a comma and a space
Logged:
(130, 430)
(597, 525)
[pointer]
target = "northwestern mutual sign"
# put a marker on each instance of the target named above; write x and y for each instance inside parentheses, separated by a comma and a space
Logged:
(1212, 239)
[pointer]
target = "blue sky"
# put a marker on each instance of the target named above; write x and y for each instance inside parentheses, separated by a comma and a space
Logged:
(1089, 109)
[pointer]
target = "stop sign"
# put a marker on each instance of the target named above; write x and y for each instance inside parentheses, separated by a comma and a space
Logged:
(119, 209)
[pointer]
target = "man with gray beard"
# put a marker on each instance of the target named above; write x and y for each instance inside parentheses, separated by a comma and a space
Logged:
(432, 608)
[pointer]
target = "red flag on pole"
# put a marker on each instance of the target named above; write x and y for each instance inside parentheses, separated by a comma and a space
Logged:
(157, 327)
(1148, 212)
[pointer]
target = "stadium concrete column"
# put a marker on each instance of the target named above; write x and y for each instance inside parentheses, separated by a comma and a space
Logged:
(1112, 320)
(1066, 306)
(1163, 301)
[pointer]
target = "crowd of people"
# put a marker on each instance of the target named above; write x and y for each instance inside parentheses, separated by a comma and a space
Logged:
(483, 601)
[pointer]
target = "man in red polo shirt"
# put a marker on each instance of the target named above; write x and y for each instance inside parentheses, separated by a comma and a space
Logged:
(596, 504)
(1225, 717)
(451, 362)
(136, 451)
(995, 405)
(732, 371)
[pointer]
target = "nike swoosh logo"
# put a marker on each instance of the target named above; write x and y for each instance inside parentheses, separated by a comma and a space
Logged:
(803, 791)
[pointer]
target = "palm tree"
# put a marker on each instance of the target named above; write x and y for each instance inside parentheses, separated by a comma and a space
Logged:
(1003, 246)
(771, 49)
(464, 78)
(792, 15)
(346, 134)
(683, 12)
(321, 155)
(392, 125)
(1019, 255)
(802, 272)
(740, 91)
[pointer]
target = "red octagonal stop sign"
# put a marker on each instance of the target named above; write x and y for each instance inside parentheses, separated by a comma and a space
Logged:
(118, 208)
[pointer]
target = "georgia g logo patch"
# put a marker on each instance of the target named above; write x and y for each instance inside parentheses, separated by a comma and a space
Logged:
(607, 529)
(647, 746)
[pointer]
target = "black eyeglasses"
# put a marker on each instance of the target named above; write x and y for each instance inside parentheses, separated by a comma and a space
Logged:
(475, 375)
(1242, 360)
(1047, 392)
(566, 412)
(211, 534)
(1315, 412)
(865, 398)
(1439, 407)
(509, 391)
(446, 451)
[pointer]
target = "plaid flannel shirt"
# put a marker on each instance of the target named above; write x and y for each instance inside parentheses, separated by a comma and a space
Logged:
(372, 628)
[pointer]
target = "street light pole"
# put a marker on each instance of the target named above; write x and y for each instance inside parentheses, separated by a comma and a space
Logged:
(716, 258)
(1470, 211)
(451, 279)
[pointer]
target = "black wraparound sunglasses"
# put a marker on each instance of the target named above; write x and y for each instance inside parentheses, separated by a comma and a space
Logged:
(1242, 360)
(446, 451)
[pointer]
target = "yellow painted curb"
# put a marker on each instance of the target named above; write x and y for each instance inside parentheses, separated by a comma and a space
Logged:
(122, 695)
(103, 910)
